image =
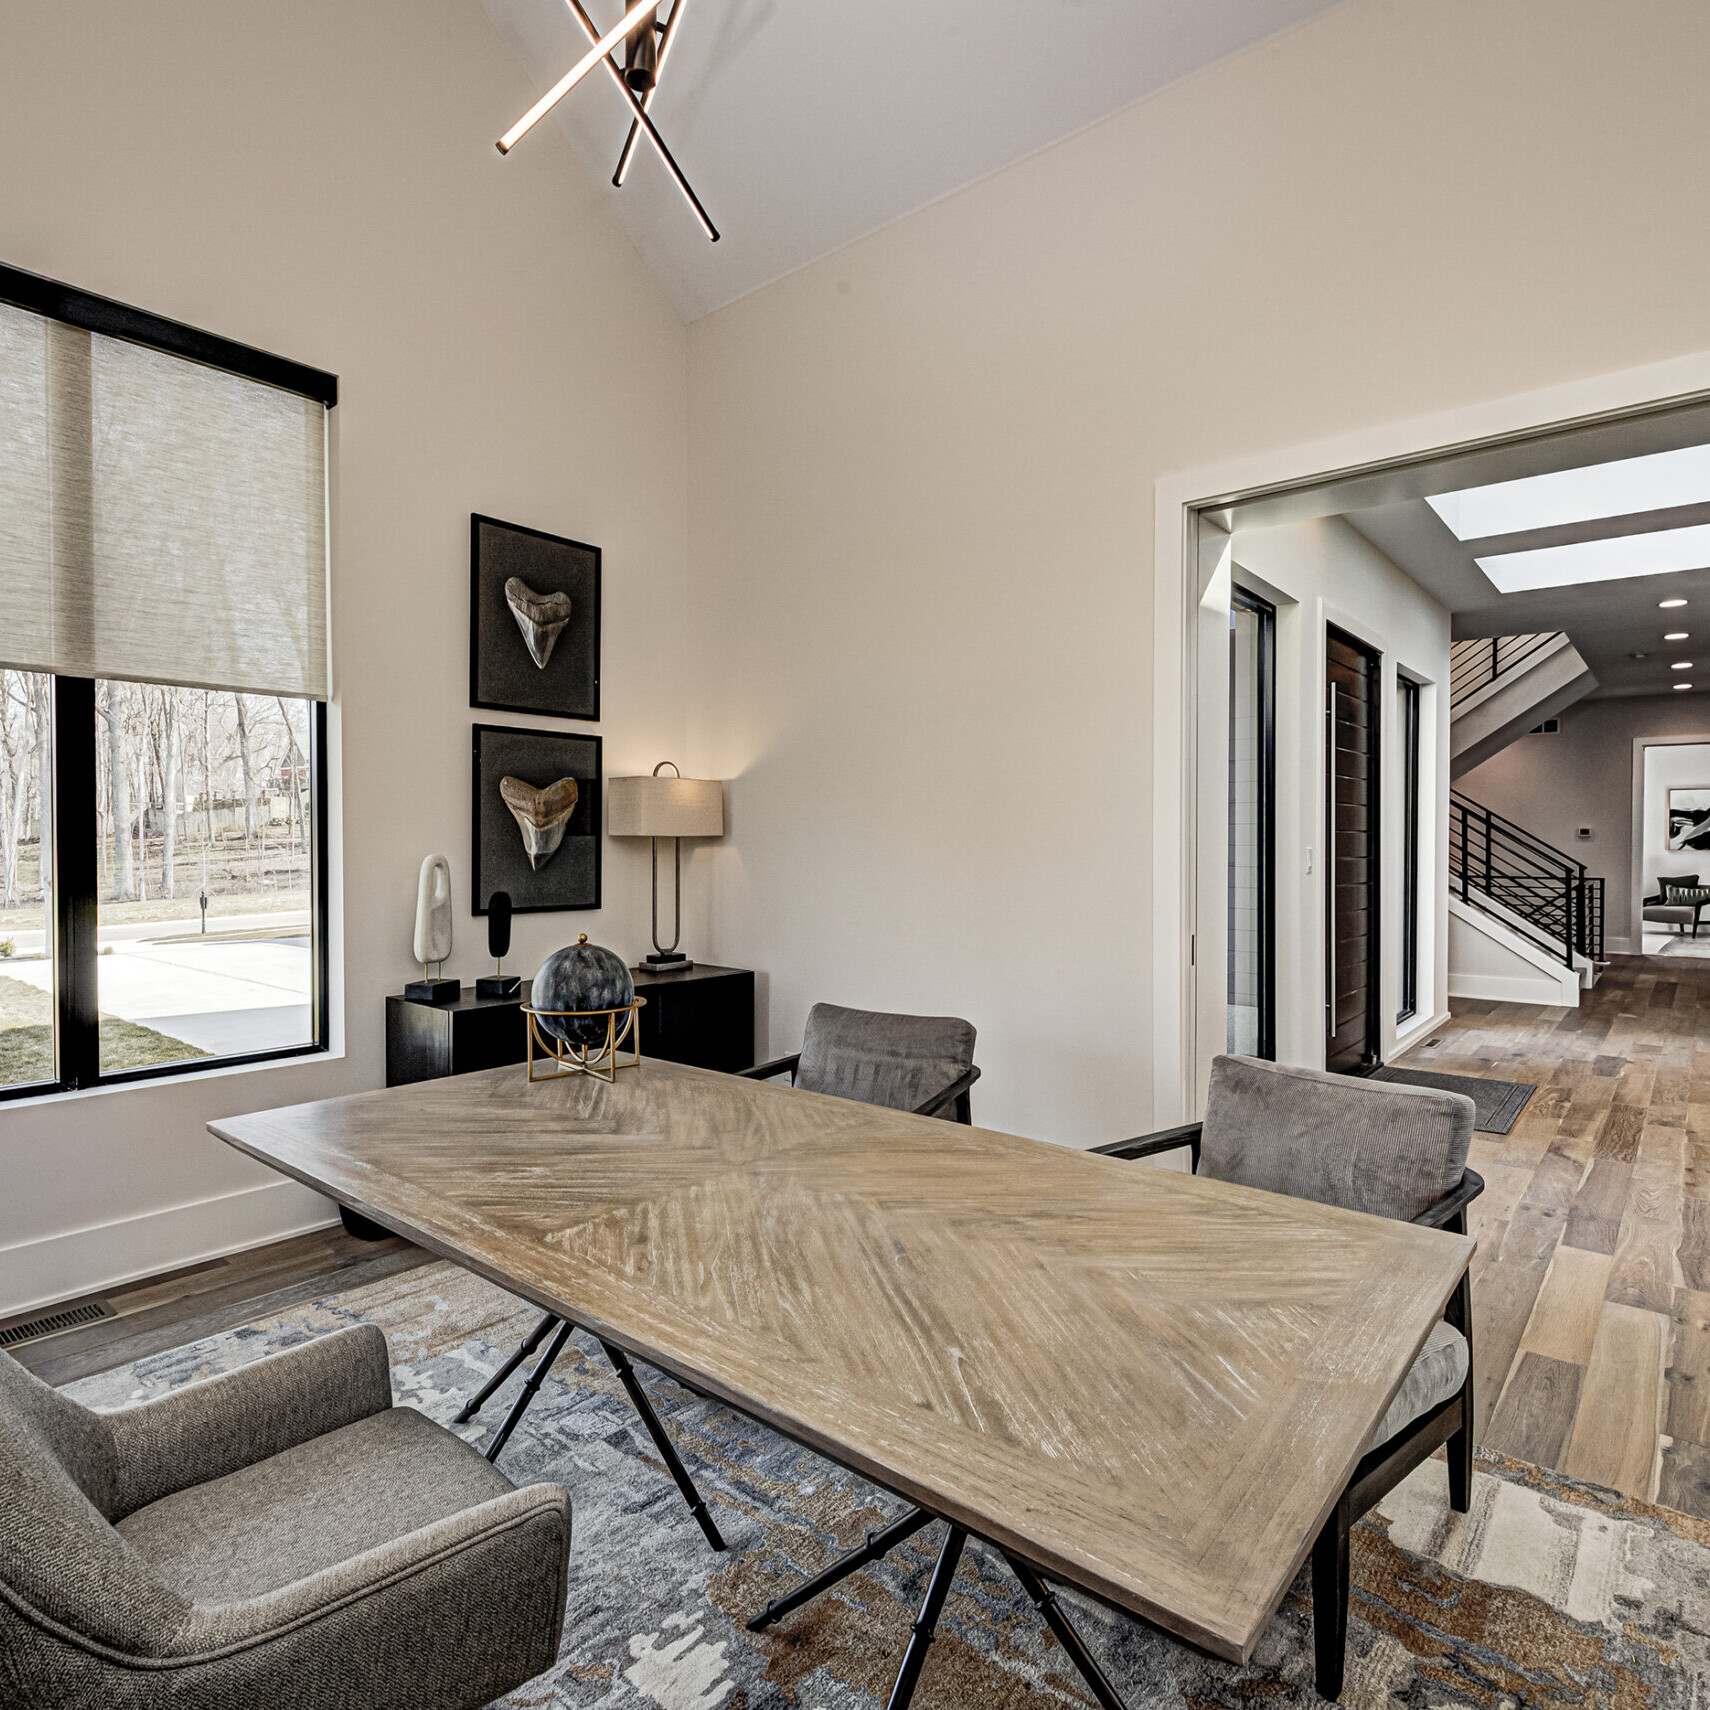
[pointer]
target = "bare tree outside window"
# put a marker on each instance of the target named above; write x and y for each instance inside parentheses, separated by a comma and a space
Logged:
(26, 866)
(203, 809)
(214, 802)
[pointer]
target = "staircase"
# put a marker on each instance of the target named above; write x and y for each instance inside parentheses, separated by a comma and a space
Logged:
(1525, 919)
(1502, 686)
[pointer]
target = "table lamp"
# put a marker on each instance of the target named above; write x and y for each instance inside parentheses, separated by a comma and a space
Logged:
(674, 807)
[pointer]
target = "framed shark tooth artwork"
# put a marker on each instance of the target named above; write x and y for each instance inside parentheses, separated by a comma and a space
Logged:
(536, 818)
(534, 621)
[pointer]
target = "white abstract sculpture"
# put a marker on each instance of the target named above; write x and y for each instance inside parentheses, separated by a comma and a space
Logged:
(433, 912)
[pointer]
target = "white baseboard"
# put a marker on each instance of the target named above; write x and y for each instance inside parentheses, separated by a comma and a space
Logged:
(1500, 988)
(87, 1261)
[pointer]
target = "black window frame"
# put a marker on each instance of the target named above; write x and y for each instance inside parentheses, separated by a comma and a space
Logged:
(1266, 613)
(1407, 958)
(73, 811)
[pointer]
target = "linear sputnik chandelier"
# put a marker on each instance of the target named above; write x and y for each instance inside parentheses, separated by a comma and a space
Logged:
(646, 44)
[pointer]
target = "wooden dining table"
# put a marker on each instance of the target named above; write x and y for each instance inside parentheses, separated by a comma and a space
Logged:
(1146, 1385)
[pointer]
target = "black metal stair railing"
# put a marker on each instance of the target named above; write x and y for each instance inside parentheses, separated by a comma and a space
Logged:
(1538, 891)
(1476, 663)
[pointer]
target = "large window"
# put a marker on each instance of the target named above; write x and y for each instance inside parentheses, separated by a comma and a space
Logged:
(162, 680)
(1252, 791)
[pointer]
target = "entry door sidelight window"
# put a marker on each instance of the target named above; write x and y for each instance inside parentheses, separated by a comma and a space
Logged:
(1252, 790)
(1407, 969)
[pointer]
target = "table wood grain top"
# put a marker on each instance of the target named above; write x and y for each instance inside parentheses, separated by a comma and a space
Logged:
(1149, 1385)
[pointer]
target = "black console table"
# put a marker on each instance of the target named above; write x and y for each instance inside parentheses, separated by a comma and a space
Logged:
(704, 1016)
(427, 1040)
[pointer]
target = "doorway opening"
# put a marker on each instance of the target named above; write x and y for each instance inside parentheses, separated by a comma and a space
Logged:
(1438, 626)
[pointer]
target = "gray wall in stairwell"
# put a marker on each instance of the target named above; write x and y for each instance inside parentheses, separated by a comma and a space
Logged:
(1583, 776)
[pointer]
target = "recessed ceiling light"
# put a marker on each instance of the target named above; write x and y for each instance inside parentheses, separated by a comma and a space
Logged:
(1621, 489)
(1678, 635)
(1669, 605)
(1683, 686)
(1638, 656)
(1681, 665)
(1657, 554)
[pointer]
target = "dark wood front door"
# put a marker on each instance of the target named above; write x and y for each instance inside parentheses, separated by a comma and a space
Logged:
(1351, 839)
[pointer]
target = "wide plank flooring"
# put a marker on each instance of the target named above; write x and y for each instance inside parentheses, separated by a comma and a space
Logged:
(164, 1312)
(1591, 1284)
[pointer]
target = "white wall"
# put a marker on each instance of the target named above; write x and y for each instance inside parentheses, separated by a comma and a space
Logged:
(923, 470)
(1670, 766)
(319, 179)
(1321, 573)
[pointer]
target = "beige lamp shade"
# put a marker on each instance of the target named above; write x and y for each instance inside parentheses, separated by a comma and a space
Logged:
(665, 807)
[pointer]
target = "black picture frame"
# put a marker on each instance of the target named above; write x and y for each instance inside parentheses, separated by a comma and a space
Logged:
(503, 677)
(571, 879)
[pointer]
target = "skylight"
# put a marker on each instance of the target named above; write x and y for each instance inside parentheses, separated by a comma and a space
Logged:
(1620, 489)
(1600, 560)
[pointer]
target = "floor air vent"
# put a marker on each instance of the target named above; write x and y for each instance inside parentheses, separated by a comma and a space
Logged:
(51, 1323)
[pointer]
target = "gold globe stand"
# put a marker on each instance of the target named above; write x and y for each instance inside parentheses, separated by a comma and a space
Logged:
(600, 1061)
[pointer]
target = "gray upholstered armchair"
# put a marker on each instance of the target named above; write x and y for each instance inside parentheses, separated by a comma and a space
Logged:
(281, 1536)
(922, 1063)
(1679, 902)
(1375, 1146)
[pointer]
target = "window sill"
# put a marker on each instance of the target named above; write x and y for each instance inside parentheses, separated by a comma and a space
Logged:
(168, 1075)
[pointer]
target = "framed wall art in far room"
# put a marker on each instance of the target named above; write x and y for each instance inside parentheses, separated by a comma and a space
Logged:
(536, 819)
(534, 621)
(1689, 819)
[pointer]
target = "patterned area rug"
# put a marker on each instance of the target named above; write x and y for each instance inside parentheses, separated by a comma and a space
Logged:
(1550, 1592)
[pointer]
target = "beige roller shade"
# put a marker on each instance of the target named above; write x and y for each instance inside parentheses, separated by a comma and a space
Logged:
(159, 520)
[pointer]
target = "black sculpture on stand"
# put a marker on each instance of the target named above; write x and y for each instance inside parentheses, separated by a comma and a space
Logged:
(498, 984)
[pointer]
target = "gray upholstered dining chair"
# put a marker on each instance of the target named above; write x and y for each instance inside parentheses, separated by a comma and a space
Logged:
(280, 1536)
(1375, 1146)
(920, 1063)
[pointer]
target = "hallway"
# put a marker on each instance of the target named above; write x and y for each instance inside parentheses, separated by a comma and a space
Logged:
(1591, 1284)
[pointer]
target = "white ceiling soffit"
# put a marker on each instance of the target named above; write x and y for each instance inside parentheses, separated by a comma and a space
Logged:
(804, 124)
(1609, 622)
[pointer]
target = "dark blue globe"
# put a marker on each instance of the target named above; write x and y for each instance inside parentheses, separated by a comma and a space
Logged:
(581, 976)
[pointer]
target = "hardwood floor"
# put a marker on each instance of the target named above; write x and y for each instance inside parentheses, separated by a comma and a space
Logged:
(1591, 1284)
(164, 1312)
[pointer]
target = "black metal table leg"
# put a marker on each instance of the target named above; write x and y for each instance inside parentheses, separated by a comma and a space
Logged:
(1057, 1619)
(925, 1628)
(535, 1378)
(879, 1543)
(638, 1396)
(530, 1343)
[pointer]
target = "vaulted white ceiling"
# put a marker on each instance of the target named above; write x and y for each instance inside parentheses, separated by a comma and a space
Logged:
(805, 124)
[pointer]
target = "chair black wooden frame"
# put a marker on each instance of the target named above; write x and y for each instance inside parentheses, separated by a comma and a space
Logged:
(1448, 1425)
(955, 1094)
